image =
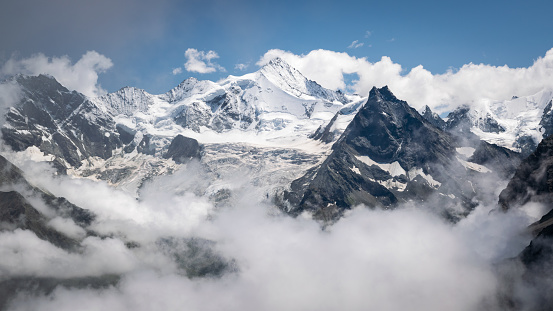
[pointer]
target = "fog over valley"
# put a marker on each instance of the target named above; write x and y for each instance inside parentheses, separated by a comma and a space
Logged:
(275, 191)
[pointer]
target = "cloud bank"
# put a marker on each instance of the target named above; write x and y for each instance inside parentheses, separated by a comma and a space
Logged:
(418, 86)
(408, 258)
(81, 76)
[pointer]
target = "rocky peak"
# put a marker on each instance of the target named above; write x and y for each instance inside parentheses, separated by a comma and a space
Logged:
(289, 79)
(546, 122)
(127, 101)
(187, 88)
(433, 118)
(388, 154)
(388, 129)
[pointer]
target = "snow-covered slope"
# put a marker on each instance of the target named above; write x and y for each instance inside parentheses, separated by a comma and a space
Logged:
(275, 107)
(276, 102)
(516, 123)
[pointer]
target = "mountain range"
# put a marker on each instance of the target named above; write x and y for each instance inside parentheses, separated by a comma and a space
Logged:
(308, 150)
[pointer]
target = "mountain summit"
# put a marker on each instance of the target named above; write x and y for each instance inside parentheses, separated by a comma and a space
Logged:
(287, 78)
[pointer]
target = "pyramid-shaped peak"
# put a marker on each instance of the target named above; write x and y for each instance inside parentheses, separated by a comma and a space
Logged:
(277, 61)
(280, 66)
(383, 93)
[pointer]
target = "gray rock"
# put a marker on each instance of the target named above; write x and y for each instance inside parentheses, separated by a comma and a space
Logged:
(183, 149)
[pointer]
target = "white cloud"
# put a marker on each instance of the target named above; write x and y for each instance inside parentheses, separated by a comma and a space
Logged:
(368, 33)
(241, 67)
(201, 61)
(177, 71)
(408, 258)
(355, 44)
(418, 86)
(81, 76)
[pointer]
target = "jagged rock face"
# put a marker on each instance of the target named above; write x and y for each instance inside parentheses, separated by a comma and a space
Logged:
(458, 121)
(461, 121)
(433, 118)
(501, 160)
(183, 149)
(533, 180)
(196, 258)
(326, 134)
(546, 122)
(540, 250)
(127, 101)
(388, 154)
(387, 130)
(17, 212)
(292, 81)
(59, 122)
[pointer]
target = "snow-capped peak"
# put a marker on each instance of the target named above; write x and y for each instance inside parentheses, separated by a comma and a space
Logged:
(127, 101)
(290, 80)
(187, 88)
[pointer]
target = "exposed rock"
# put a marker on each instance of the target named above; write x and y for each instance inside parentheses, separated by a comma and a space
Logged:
(533, 180)
(196, 257)
(546, 122)
(183, 149)
(326, 134)
(501, 160)
(388, 154)
(59, 122)
(433, 118)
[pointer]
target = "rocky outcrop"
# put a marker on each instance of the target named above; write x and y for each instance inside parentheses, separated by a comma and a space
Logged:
(433, 118)
(17, 212)
(59, 122)
(183, 149)
(533, 180)
(388, 154)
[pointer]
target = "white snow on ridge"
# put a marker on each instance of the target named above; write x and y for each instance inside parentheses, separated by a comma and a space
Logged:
(518, 116)
(474, 166)
(394, 168)
(414, 172)
(275, 105)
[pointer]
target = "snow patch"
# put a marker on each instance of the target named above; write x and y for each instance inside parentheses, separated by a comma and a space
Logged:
(474, 166)
(393, 168)
(414, 172)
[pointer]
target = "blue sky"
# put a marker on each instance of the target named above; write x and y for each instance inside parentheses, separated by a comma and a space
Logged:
(146, 40)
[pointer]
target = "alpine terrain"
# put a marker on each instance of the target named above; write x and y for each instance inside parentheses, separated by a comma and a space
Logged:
(98, 194)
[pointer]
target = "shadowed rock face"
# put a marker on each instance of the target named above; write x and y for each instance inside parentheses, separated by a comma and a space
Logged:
(59, 122)
(388, 131)
(533, 180)
(17, 212)
(501, 160)
(433, 118)
(183, 149)
(546, 122)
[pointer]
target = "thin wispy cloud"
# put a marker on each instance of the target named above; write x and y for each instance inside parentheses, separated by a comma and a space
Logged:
(201, 61)
(368, 33)
(355, 44)
(241, 67)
